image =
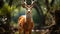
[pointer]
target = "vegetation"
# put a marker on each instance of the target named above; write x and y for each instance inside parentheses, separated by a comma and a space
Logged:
(43, 13)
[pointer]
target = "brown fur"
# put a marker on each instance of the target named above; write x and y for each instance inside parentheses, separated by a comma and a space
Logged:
(22, 25)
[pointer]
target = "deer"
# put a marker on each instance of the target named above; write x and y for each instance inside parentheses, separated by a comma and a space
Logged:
(25, 22)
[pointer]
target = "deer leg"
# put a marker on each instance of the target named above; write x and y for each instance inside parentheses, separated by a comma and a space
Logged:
(20, 31)
(30, 31)
(31, 27)
(26, 32)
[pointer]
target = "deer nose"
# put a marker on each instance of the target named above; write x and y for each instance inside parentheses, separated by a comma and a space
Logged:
(28, 12)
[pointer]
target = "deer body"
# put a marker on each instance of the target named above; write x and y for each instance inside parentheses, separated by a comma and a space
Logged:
(25, 23)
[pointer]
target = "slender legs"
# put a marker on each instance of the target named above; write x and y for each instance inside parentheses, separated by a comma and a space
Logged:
(30, 31)
(26, 32)
(20, 31)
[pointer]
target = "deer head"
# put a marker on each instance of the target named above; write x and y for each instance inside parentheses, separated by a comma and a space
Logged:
(28, 7)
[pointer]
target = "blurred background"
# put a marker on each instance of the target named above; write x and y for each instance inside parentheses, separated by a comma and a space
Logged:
(45, 14)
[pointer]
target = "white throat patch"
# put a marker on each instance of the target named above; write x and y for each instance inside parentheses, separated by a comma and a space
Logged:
(28, 9)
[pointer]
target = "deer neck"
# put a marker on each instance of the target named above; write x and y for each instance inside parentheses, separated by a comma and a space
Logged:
(28, 16)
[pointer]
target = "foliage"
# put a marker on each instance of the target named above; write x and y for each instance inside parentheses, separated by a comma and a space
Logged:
(45, 9)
